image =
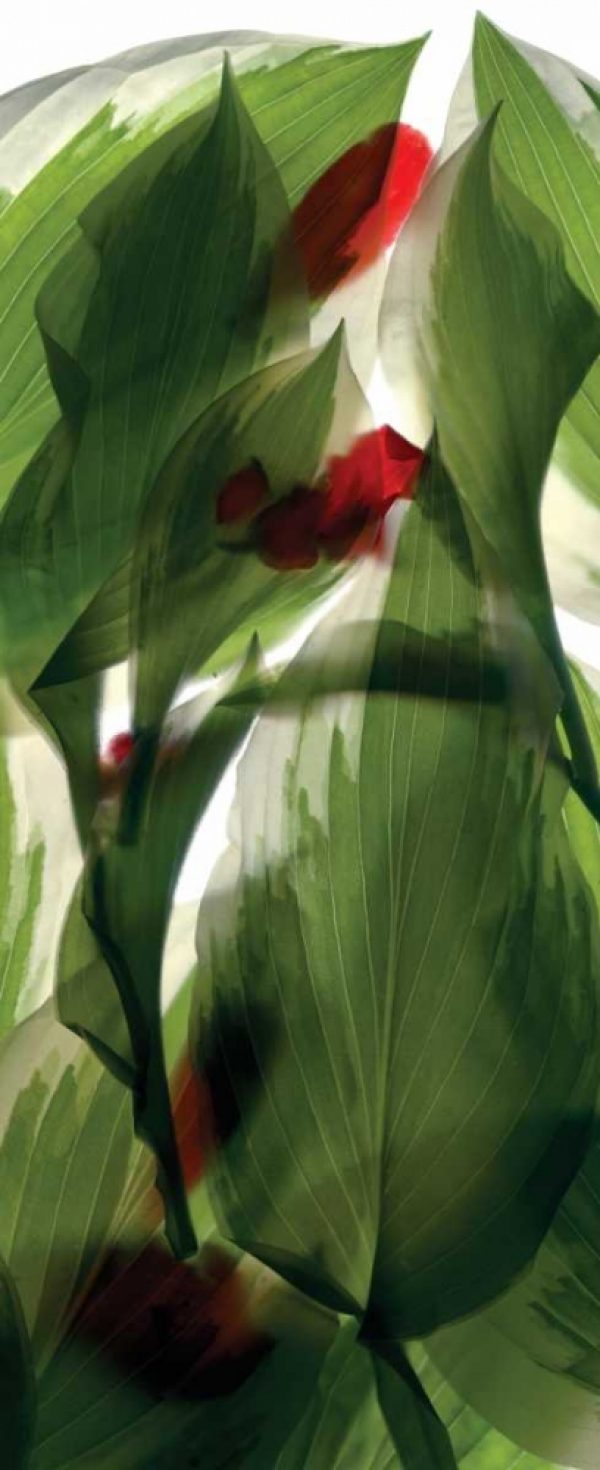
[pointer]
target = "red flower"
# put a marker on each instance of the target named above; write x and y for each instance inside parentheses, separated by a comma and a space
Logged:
(242, 494)
(355, 209)
(344, 515)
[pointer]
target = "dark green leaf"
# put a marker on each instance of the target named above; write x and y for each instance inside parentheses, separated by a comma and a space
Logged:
(17, 1382)
(364, 1413)
(557, 170)
(407, 963)
(505, 310)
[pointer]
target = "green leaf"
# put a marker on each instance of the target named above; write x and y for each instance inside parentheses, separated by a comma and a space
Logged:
(402, 1122)
(476, 1445)
(504, 306)
(531, 1363)
(17, 1383)
(169, 1366)
(363, 1413)
(57, 1108)
(557, 170)
(346, 94)
(20, 893)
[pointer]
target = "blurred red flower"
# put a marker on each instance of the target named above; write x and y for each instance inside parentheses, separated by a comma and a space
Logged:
(355, 209)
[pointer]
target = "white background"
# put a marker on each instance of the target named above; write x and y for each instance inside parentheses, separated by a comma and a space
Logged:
(41, 36)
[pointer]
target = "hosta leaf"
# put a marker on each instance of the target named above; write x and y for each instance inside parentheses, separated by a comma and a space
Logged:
(57, 1107)
(569, 517)
(138, 1359)
(496, 428)
(347, 93)
(17, 1384)
(531, 1364)
(172, 1365)
(476, 1445)
(365, 1413)
(401, 1125)
(558, 170)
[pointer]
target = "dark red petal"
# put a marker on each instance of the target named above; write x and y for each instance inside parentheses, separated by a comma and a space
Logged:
(119, 748)
(175, 1330)
(287, 531)
(348, 534)
(242, 495)
(328, 216)
(356, 208)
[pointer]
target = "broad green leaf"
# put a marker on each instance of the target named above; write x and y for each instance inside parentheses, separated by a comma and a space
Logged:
(569, 517)
(129, 1370)
(364, 1413)
(476, 1445)
(407, 963)
(17, 1384)
(346, 92)
(546, 155)
(504, 306)
(531, 1363)
(189, 592)
(173, 1365)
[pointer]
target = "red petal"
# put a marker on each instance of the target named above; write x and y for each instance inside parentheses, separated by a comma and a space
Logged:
(287, 531)
(119, 748)
(175, 1330)
(242, 495)
(356, 208)
(378, 469)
